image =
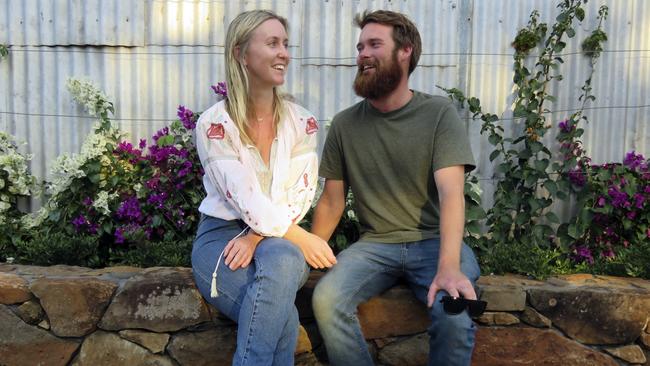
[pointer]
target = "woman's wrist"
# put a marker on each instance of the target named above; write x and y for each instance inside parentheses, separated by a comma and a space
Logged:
(254, 237)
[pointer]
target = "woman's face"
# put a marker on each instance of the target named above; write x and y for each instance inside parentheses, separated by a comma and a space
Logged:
(267, 56)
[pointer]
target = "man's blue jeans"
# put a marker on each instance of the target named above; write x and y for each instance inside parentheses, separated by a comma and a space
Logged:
(366, 269)
(260, 297)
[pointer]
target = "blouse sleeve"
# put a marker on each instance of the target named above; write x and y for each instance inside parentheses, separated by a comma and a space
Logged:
(303, 176)
(221, 159)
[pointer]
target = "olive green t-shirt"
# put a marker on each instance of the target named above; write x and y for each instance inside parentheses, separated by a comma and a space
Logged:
(388, 160)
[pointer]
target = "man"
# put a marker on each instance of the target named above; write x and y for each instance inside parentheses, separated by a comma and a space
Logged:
(404, 154)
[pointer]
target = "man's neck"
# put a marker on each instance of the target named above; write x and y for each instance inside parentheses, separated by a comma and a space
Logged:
(395, 100)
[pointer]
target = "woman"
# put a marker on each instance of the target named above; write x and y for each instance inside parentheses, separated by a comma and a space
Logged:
(259, 156)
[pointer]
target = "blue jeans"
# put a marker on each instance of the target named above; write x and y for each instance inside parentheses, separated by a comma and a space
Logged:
(367, 269)
(260, 297)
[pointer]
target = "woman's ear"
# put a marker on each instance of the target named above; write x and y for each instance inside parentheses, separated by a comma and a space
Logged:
(238, 56)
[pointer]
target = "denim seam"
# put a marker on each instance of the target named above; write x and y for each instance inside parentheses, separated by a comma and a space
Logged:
(353, 316)
(253, 313)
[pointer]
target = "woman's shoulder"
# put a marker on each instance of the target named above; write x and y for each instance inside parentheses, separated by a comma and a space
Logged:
(216, 114)
(301, 118)
(216, 111)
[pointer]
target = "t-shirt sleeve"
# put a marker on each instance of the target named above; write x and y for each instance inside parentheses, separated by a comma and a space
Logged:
(332, 163)
(451, 144)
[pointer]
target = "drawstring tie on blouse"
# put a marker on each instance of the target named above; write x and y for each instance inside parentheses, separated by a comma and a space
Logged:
(213, 287)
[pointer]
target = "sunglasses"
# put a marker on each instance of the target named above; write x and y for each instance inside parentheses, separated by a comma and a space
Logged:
(456, 305)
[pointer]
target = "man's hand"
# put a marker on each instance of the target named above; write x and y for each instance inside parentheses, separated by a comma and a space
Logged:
(454, 282)
(239, 252)
(316, 251)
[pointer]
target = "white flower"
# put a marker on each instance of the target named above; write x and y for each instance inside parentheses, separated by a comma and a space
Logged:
(32, 220)
(102, 201)
(89, 96)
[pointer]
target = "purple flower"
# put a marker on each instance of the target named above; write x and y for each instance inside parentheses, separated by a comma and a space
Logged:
(633, 161)
(619, 199)
(153, 183)
(160, 133)
(608, 253)
(127, 148)
(577, 177)
(157, 199)
(187, 168)
(220, 89)
(187, 117)
(639, 200)
(566, 126)
(79, 222)
(583, 254)
(129, 209)
(143, 143)
(87, 201)
(119, 235)
(601, 201)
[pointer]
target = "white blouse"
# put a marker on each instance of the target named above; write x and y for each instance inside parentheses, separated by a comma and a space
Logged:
(231, 177)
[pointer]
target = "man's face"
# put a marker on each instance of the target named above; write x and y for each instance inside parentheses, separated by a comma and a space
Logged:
(379, 71)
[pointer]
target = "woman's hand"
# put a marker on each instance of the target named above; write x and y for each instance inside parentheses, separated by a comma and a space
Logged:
(239, 252)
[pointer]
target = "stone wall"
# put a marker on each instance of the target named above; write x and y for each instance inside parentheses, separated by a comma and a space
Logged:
(65, 315)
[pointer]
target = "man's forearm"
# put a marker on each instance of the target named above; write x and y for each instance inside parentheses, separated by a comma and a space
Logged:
(326, 218)
(452, 226)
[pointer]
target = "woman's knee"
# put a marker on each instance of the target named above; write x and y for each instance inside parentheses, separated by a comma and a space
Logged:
(280, 252)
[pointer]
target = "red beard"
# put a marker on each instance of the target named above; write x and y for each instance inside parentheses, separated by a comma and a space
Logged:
(380, 83)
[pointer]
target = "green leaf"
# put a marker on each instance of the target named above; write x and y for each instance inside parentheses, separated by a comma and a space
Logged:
(475, 213)
(522, 218)
(503, 167)
(94, 178)
(494, 155)
(474, 103)
(341, 241)
(473, 227)
(551, 187)
(541, 165)
(552, 217)
(573, 231)
(107, 227)
(494, 139)
(165, 140)
(156, 221)
(505, 218)
(535, 146)
(534, 204)
(525, 154)
(570, 32)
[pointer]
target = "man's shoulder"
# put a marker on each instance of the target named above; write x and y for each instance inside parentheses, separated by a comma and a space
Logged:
(432, 101)
(349, 114)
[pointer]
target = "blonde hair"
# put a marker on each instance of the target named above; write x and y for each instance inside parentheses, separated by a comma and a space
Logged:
(238, 102)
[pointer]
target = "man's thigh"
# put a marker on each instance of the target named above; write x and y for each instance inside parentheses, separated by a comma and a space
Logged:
(363, 270)
(422, 265)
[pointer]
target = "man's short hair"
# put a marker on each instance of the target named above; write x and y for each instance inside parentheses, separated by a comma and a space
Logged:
(405, 33)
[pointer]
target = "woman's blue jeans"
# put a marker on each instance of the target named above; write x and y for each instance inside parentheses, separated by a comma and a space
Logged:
(260, 297)
(366, 269)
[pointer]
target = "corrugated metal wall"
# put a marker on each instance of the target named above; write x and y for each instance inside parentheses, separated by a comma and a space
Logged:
(149, 56)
